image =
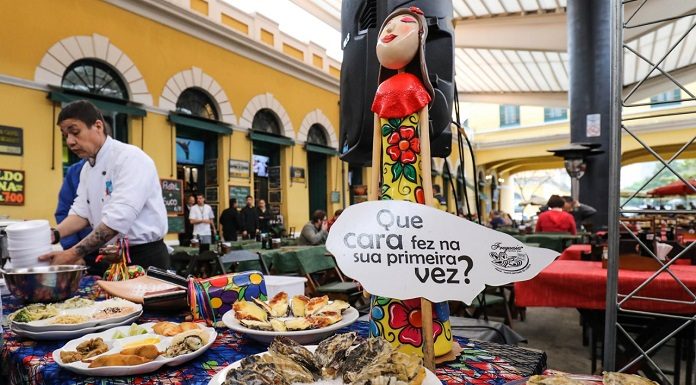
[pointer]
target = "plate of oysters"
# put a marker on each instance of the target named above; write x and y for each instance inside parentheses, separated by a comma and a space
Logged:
(303, 319)
(607, 378)
(339, 359)
(135, 349)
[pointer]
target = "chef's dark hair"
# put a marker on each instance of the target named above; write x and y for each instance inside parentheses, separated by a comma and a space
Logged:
(84, 111)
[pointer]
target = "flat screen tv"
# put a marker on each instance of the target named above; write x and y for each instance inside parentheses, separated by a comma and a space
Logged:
(261, 165)
(189, 151)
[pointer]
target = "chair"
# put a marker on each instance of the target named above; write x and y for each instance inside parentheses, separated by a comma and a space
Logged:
(494, 295)
(181, 262)
(318, 270)
(553, 241)
(244, 260)
(204, 265)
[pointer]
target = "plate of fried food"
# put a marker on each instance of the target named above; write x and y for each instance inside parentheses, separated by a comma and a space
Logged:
(135, 349)
(73, 314)
(303, 319)
(337, 360)
(607, 378)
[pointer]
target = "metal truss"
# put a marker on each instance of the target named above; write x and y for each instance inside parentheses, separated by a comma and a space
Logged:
(620, 303)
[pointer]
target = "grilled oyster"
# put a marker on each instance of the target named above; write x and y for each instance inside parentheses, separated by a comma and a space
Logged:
(246, 377)
(613, 378)
(262, 305)
(371, 350)
(278, 325)
(292, 371)
(324, 319)
(315, 304)
(250, 311)
(294, 351)
(279, 305)
(299, 302)
(554, 380)
(331, 352)
(406, 365)
(337, 306)
(257, 325)
(299, 323)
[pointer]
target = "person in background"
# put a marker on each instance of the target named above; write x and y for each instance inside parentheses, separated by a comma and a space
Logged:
(230, 222)
(315, 231)
(440, 201)
(264, 217)
(185, 237)
(250, 219)
(555, 220)
(497, 219)
(580, 211)
(202, 219)
(337, 214)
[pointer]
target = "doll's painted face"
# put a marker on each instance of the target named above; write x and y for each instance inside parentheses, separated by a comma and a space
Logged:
(398, 43)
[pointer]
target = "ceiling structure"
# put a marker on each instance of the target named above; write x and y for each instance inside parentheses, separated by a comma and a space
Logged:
(515, 51)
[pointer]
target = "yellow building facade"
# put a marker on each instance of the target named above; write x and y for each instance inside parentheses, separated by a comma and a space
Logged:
(160, 49)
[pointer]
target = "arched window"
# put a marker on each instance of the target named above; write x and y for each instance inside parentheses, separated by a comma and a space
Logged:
(317, 135)
(99, 79)
(96, 78)
(265, 120)
(195, 102)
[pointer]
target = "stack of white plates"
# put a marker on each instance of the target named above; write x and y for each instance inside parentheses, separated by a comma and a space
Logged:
(26, 241)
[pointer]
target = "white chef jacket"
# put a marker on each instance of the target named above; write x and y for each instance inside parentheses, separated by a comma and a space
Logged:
(123, 191)
(198, 212)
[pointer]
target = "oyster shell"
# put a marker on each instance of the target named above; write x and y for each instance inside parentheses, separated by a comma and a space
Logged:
(337, 306)
(299, 323)
(248, 310)
(246, 377)
(315, 304)
(279, 304)
(278, 325)
(371, 350)
(324, 319)
(294, 351)
(298, 305)
(406, 364)
(258, 325)
(187, 345)
(292, 371)
(270, 371)
(262, 305)
(330, 353)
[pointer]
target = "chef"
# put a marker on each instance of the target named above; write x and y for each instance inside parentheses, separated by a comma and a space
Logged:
(119, 194)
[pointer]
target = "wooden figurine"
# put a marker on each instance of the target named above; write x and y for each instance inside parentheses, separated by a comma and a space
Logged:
(401, 169)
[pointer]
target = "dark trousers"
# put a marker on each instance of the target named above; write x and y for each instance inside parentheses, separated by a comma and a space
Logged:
(150, 254)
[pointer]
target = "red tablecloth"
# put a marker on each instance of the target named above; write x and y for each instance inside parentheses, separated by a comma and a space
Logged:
(574, 252)
(580, 284)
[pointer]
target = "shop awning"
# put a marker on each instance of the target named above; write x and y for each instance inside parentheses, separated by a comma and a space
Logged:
(269, 138)
(200, 123)
(62, 95)
(320, 149)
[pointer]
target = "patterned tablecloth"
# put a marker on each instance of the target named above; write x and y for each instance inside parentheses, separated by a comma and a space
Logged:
(25, 361)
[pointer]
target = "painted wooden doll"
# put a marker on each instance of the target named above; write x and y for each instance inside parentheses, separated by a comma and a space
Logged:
(401, 164)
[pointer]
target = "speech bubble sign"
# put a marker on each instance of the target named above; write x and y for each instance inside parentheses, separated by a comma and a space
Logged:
(404, 250)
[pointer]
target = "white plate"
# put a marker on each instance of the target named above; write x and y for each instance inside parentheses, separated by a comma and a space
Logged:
(302, 337)
(115, 347)
(45, 325)
(219, 377)
(53, 335)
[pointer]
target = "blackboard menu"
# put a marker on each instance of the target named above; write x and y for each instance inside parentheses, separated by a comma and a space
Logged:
(240, 193)
(274, 177)
(210, 172)
(173, 194)
(176, 224)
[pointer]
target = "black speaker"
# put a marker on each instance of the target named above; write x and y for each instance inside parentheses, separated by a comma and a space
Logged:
(360, 23)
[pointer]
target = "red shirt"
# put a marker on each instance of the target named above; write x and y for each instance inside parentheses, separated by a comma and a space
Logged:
(553, 221)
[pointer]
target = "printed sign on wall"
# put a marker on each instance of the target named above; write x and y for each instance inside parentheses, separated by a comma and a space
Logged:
(434, 254)
(11, 140)
(11, 187)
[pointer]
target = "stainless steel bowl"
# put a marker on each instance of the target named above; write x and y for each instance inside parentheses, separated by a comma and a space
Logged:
(45, 283)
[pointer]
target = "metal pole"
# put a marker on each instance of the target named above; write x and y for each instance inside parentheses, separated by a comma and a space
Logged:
(616, 49)
(575, 188)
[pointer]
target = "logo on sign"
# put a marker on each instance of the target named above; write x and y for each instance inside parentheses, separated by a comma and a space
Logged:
(508, 259)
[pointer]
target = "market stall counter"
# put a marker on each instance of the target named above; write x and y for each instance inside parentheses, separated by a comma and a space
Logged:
(25, 361)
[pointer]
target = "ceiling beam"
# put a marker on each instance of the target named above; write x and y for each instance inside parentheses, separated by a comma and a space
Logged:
(651, 11)
(542, 99)
(320, 13)
(528, 32)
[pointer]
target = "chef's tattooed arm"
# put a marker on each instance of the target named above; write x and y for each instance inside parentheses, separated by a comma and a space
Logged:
(96, 239)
